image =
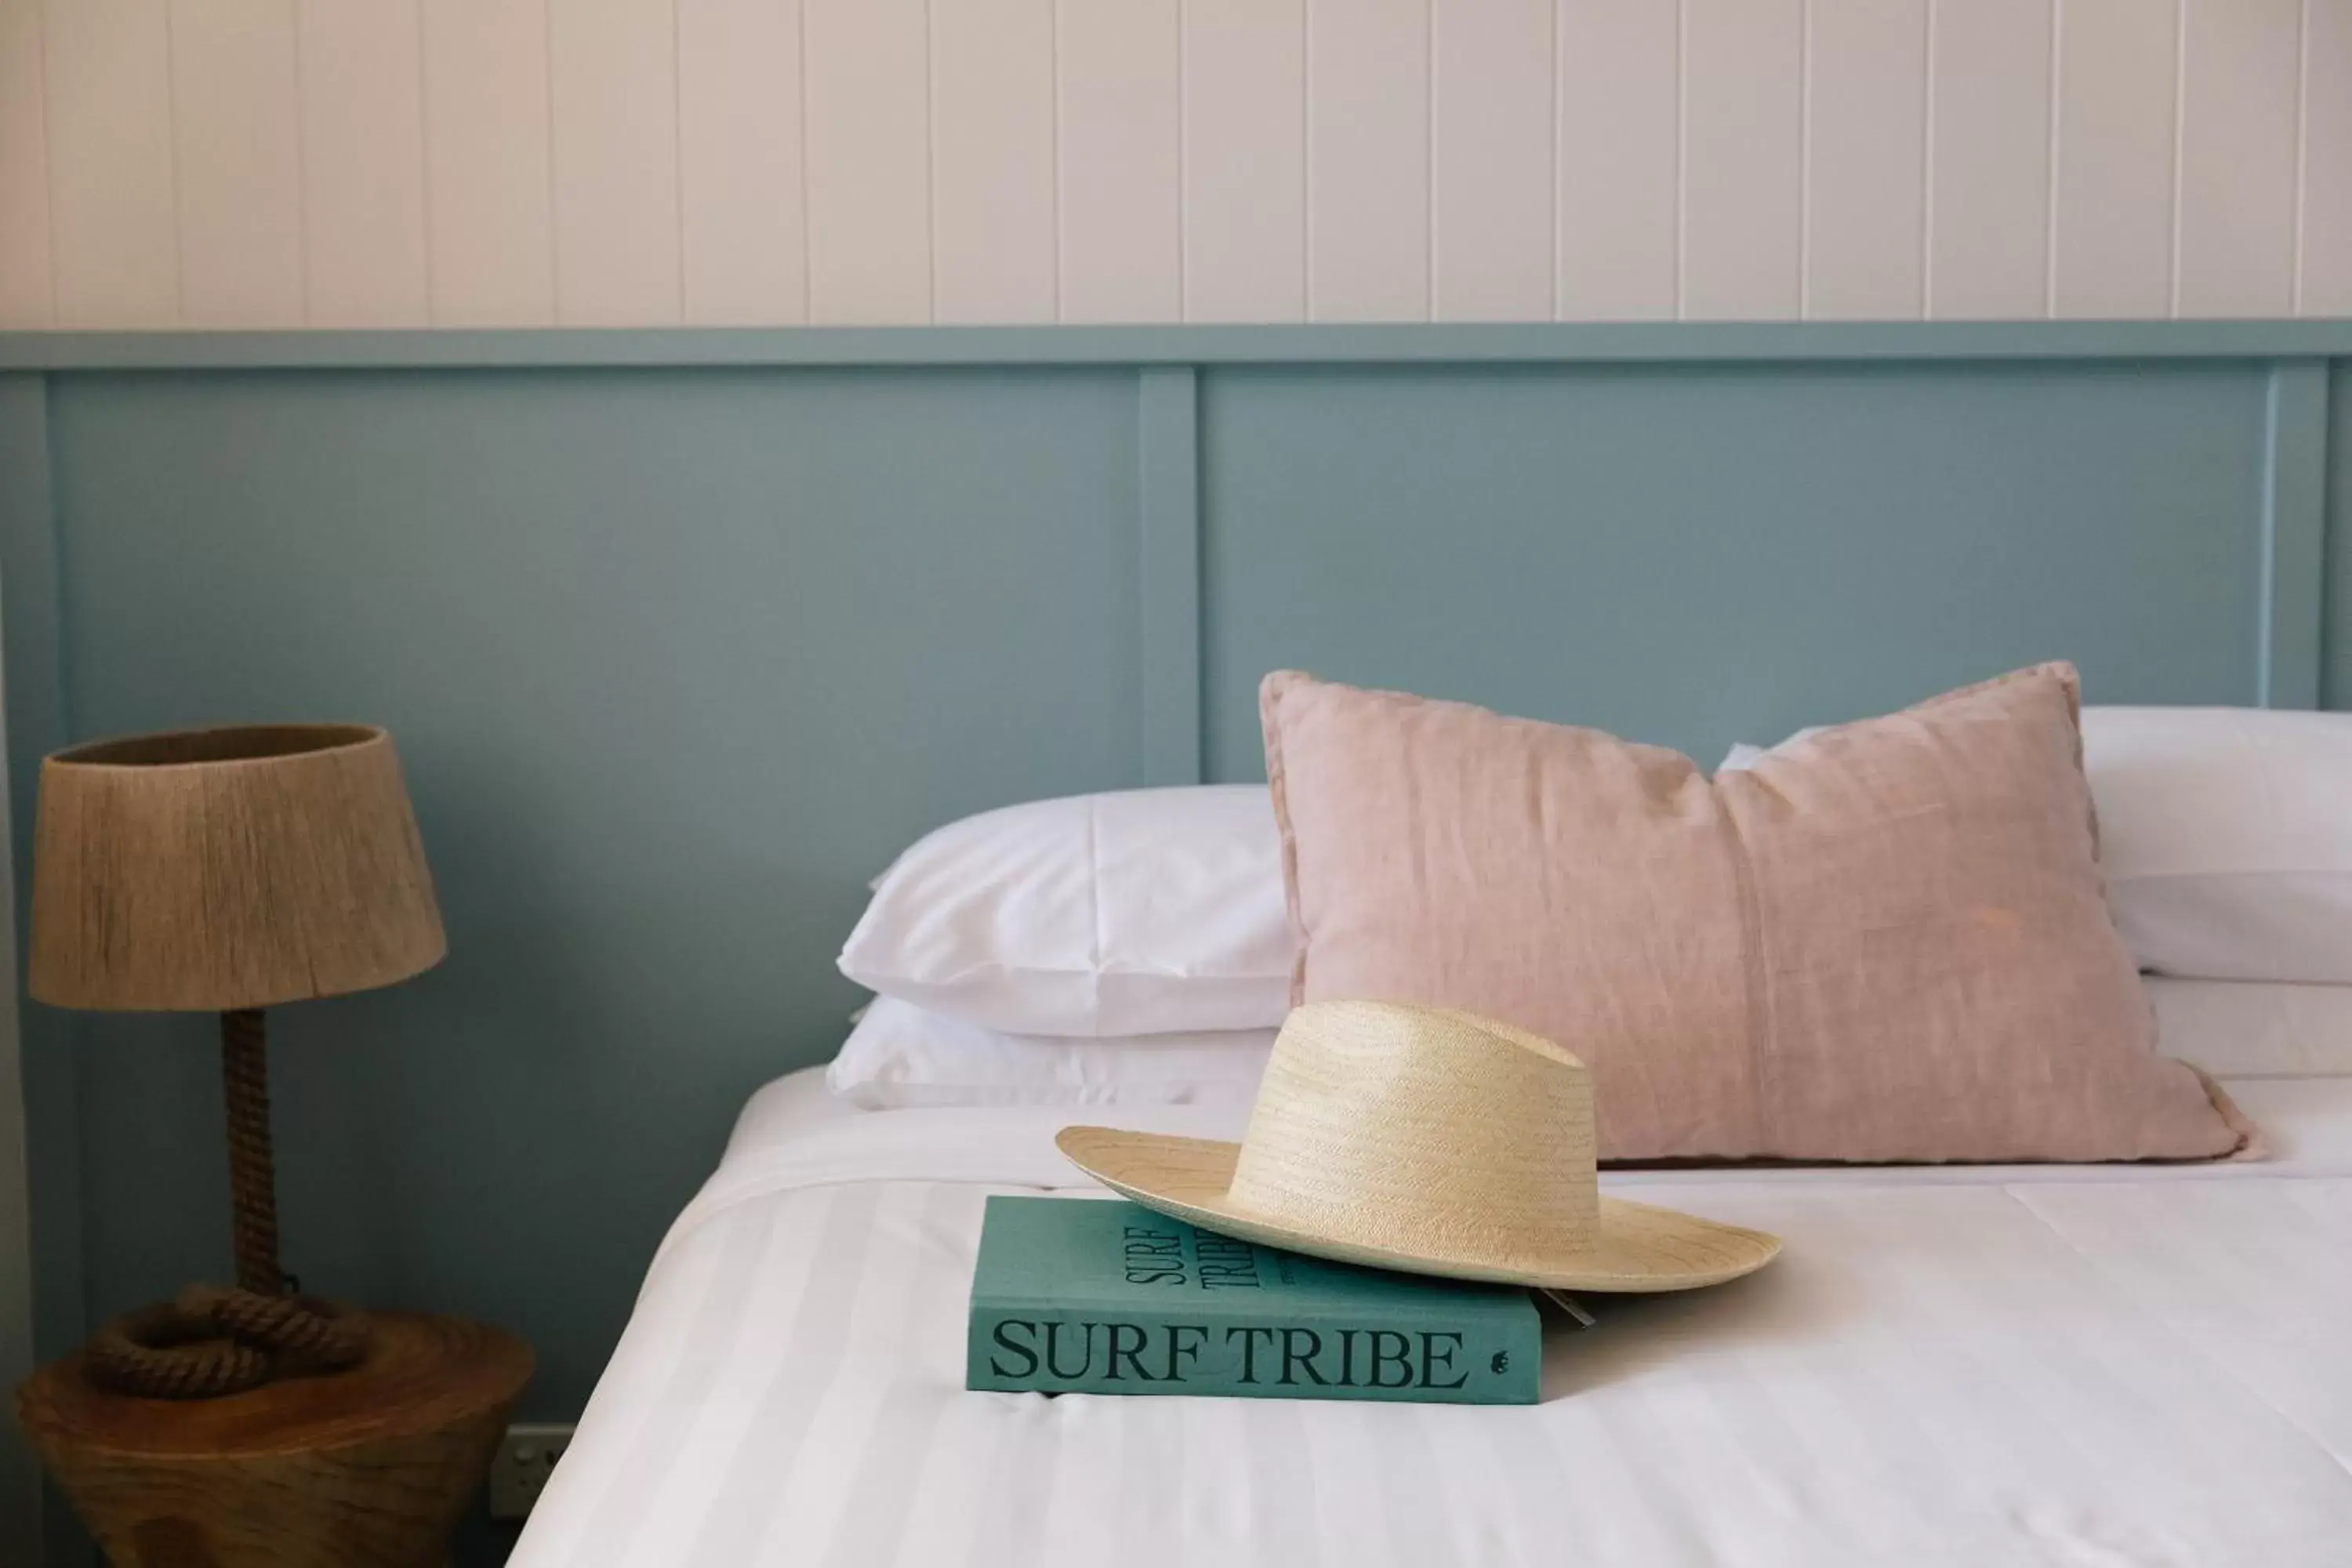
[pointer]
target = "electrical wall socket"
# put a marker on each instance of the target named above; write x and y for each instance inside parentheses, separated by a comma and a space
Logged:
(526, 1458)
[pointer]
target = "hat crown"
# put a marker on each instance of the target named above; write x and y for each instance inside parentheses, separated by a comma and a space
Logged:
(1422, 1131)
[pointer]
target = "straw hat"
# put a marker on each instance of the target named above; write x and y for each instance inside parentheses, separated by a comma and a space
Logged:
(1428, 1140)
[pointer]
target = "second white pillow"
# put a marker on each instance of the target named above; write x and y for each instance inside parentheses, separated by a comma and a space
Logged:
(1139, 912)
(901, 1058)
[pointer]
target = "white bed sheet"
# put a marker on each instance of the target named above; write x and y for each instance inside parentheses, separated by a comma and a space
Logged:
(2089, 1366)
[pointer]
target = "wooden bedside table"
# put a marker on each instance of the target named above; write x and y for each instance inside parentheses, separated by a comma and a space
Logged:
(364, 1468)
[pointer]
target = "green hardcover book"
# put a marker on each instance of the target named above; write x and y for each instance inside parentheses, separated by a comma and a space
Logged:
(1080, 1296)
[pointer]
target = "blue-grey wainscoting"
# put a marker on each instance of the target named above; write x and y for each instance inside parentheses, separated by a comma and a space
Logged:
(682, 635)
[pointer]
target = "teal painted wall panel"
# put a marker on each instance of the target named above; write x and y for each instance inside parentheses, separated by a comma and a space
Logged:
(676, 662)
(684, 635)
(1699, 555)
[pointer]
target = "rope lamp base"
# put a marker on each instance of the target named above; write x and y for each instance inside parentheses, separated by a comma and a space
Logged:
(161, 1352)
(252, 1167)
(211, 1342)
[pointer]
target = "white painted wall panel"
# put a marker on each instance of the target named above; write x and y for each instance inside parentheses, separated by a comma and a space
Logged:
(237, 113)
(2241, 63)
(613, 72)
(868, 75)
(362, 67)
(1618, 225)
(744, 250)
(113, 188)
(486, 162)
(1119, 80)
(992, 177)
(1491, 181)
(1367, 160)
(1988, 209)
(1245, 128)
(1743, 163)
(24, 300)
(2324, 265)
(463, 162)
(1866, 149)
(2118, 78)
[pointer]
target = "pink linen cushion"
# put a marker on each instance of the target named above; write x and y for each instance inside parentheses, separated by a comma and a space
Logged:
(1888, 942)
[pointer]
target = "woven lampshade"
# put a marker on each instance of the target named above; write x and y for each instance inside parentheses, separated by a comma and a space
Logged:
(217, 869)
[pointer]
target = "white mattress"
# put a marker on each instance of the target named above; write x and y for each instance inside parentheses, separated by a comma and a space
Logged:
(2089, 1366)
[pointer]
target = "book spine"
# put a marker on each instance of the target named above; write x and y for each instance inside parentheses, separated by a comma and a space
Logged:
(1055, 1348)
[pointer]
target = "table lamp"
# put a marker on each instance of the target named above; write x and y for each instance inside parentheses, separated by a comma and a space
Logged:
(227, 871)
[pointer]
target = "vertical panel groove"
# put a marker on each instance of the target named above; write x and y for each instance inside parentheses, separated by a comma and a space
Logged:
(1306, 162)
(1168, 561)
(2050, 224)
(1429, 158)
(2302, 152)
(677, 147)
(1805, 78)
(49, 165)
(2292, 650)
(930, 161)
(172, 163)
(1558, 244)
(425, 156)
(1927, 166)
(1682, 159)
(554, 152)
(2241, 70)
(301, 173)
(2180, 134)
(1184, 311)
(1307, 155)
(1054, 120)
(808, 243)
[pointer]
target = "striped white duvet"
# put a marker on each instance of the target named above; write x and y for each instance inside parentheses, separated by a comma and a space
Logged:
(2090, 1367)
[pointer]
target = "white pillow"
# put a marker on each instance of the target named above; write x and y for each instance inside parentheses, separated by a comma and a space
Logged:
(2226, 835)
(2255, 1028)
(1145, 912)
(2227, 838)
(899, 1057)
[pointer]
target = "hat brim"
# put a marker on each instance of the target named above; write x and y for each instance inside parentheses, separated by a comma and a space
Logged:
(1639, 1248)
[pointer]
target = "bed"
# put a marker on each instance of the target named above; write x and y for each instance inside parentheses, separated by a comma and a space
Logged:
(2095, 1366)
